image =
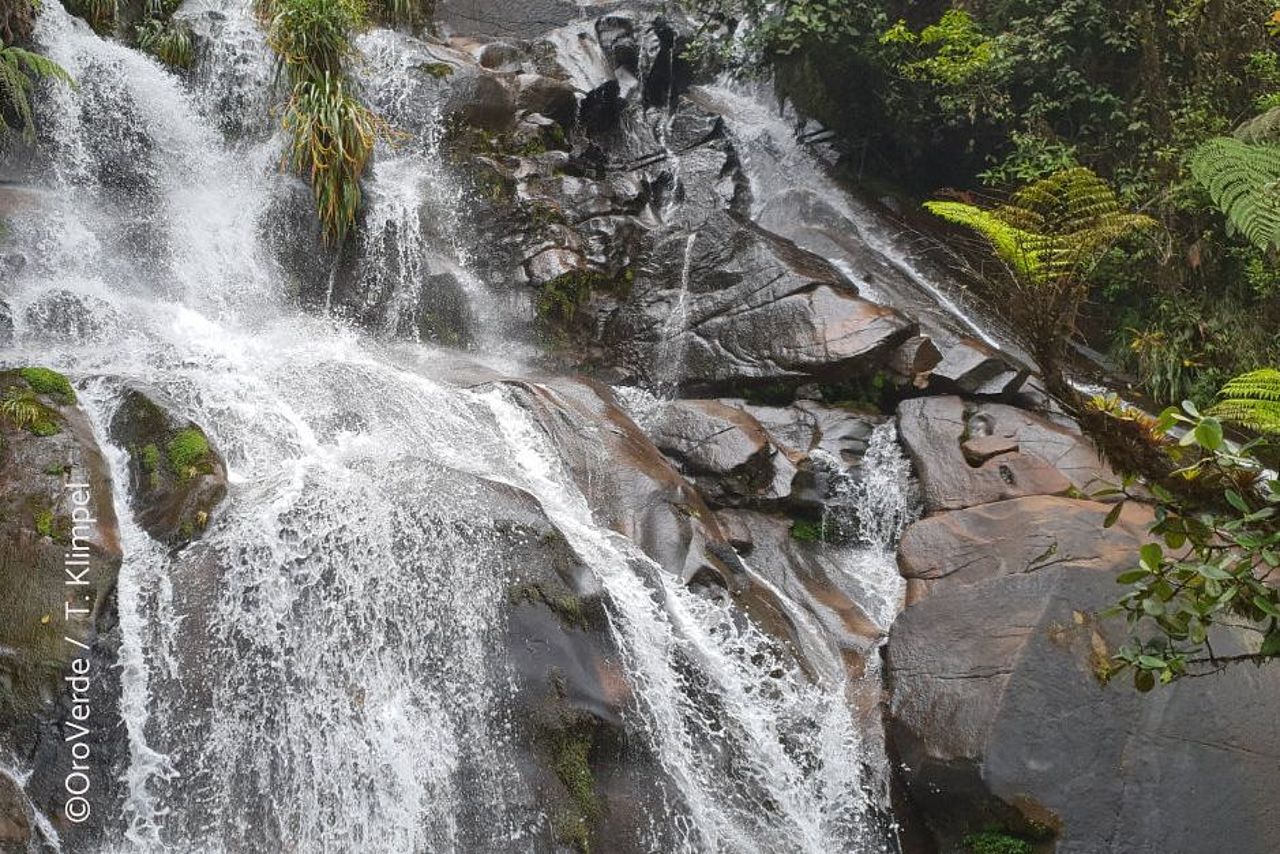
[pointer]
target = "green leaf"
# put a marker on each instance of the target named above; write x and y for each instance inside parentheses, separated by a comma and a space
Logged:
(1113, 515)
(1152, 556)
(1270, 644)
(1132, 576)
(1209, 434)
(1151, 662)
(1266, 606)
(1217, 573)
(1235, 500)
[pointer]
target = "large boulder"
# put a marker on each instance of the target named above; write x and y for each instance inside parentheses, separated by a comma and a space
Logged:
(176, 476)
(726, 451)
(975, 453)
(998, 717)
(731, 307)
(1018, 536)
(59, 557)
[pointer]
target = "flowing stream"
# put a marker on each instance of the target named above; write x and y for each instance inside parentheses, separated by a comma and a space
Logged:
(324, 671)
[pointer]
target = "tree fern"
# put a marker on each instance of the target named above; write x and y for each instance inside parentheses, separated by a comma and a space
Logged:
(1016, 247)
(1048, 235)
(1242, 180)
(1252, 400)
(1052, 228)
(19, 71)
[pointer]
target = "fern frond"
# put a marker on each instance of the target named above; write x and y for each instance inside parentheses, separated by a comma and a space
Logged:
(1053, 228)
(1252, 400)
(23, 411)
(1242, 181)
(1014, 245)
(19, 71)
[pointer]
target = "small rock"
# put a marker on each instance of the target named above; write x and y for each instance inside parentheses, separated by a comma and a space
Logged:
(982, 448)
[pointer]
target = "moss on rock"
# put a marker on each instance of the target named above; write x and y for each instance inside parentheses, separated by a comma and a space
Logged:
(50, 383)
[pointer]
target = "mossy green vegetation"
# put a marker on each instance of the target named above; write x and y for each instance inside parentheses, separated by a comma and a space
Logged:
(438, 70)
(50, 383)
(570, 753)
(21, 409)
(996, 842)
(43, 519)
(188, 450)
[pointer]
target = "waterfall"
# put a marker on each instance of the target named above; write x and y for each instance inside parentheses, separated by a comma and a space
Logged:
(323, 671)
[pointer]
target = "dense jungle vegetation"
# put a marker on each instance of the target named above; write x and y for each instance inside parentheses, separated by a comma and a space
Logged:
(973, 101)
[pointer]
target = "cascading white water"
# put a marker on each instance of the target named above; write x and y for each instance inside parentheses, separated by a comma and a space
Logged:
(873, 506)
(777, 165)
(323, 672)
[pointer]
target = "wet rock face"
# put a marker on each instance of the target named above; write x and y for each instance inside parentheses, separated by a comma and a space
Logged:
(975, 453)
(1007, 724)
(64, 315)
(15, 825)
(176, 477)
(55, 501)
(996, 712)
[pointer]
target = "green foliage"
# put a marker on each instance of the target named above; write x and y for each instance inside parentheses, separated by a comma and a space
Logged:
(43, 518)
(957, 52)
(101, 14)
(1054, 228)
(167, 40)
(20, 70)
(1049, 236)
(1252, 400)
(995, 842)
(188, 450)
(23, 411)
(780, 28)
(333, 135)
(332, 132)
(1206, 579)
(312, 38)
(49, 382)
(1241, 179)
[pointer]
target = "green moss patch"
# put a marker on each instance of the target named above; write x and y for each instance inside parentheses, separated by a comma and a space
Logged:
(996, 842)
(188, 450)
(49, 382)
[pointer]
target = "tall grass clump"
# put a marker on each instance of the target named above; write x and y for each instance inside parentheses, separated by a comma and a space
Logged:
(332, 131)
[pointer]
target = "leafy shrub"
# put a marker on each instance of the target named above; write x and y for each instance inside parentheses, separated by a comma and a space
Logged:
(1217, 544)
(313, 37)
(333, 132)
(333, 136)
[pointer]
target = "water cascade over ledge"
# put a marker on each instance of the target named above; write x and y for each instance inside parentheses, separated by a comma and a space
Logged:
(328, 668)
